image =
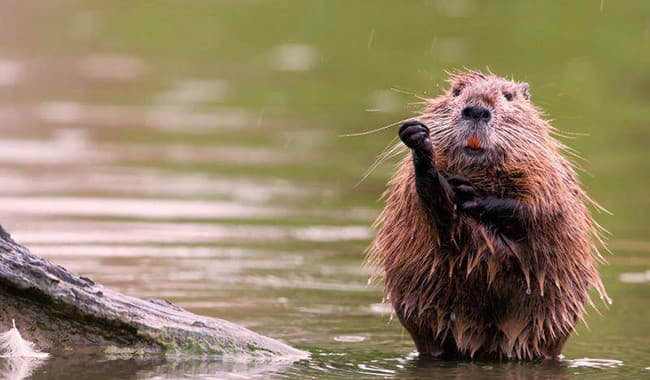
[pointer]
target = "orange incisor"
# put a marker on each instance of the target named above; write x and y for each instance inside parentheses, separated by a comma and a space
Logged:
(474, 142)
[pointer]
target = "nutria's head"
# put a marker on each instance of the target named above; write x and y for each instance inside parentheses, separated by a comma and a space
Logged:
(484, 120)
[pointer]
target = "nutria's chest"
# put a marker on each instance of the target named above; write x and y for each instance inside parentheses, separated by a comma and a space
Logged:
(472, 279)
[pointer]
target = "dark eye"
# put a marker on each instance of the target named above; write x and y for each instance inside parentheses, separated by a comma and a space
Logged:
(456, 91)
(508, 96)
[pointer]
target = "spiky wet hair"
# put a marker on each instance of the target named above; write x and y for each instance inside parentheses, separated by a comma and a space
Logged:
(544, 281)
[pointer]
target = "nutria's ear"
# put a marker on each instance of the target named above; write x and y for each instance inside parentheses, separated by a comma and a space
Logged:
(524, 90)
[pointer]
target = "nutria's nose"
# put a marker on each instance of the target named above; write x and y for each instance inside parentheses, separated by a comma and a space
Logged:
(476, 113)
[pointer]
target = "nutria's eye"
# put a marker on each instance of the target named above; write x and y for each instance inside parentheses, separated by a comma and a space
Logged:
(508, 96)
(455, 91)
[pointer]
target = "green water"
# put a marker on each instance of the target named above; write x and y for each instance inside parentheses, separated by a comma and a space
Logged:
(192, 151)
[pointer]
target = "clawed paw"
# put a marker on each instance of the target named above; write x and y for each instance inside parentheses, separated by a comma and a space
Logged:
(467, 197)
(473, 207)
(415, 135)
(462, 187)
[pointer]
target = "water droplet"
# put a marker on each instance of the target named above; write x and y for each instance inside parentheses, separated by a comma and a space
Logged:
(528, 291)
(606, 299)
(452, 316)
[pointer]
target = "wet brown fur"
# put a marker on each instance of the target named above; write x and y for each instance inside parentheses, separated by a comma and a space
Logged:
(488, 296)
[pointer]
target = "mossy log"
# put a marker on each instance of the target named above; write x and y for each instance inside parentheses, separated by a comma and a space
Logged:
(65, 313)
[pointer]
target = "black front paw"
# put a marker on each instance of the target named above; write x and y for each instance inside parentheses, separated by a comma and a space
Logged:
(462, 188)
(473, 207)
(415, 135)
(466, 197)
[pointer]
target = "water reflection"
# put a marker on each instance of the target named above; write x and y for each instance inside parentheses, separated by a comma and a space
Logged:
(345, 365)
(90, 367)
(323, 364)
(11, 72)
(111, 67)
(121, 181)
(478, 370)
(163, 232)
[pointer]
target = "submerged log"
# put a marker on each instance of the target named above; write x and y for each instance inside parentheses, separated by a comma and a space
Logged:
(62, 312)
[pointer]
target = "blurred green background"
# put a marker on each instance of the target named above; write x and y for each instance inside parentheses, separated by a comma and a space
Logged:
(245, 103)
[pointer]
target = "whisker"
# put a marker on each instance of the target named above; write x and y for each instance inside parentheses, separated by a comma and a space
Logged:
(389, 152)
(398, 90)
(364, 133)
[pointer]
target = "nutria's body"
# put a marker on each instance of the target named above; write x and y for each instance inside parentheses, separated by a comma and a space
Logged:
(485, 241)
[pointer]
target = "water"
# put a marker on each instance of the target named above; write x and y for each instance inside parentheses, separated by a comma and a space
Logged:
(191, 151)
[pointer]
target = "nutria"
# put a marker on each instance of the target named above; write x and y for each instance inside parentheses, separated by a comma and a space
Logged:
(486, 244)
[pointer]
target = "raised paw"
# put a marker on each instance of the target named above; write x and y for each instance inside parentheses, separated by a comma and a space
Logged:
(415, 135)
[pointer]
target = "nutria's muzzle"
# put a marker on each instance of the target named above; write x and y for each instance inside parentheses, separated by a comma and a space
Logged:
(476, 113)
